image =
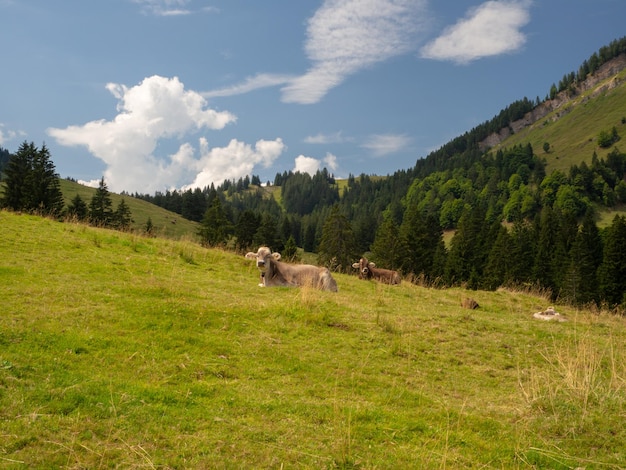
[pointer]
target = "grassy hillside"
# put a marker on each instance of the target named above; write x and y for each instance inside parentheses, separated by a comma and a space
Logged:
(128, 352)
(572, 130)
(166, 223)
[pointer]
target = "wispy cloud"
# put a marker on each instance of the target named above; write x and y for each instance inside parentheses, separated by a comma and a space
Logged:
(334, 138)
(262, 80)
(8, 134)
(386, 144)
(156, 109)
(342, 38)
(345, 36)
(170, 7)
(491, 29)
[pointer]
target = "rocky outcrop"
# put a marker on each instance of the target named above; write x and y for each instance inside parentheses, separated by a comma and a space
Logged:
(604, 79)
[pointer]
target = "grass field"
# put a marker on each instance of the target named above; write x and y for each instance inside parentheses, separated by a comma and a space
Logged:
(118, 351)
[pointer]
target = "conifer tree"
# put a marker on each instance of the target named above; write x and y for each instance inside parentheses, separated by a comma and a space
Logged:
(388, 250)
(122, 217)
(337, 247)
(267, 233)
(215, 226)
(31, 183)
(78, 208)
(498, 262)
(612, 271)
(100, 208)
(17, 171)
(581, 284)
(43, 184)
(246, 227)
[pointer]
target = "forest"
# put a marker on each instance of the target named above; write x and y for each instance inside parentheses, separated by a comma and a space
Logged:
(461, 216)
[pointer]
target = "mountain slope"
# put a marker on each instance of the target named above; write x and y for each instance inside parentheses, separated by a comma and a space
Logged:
(166, 223)
(571, 125)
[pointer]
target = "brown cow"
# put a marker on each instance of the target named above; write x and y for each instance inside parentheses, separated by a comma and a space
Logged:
(368, 270)
(277, 273)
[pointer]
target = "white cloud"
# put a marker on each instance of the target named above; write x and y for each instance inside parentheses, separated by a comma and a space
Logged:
(169, 7)
(156, 109)
(233, 161)
(331, 161)
(491, 29)
(6, 135)
(345, 36)
(308, 165)
(262, 80)
(335, 138)
(385, 144)
(312, 165)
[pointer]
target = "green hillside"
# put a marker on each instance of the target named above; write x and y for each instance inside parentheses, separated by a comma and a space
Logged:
(166, 223)
(572, 130)
(118, 351)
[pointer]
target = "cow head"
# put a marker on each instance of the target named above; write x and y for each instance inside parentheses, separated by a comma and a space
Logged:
(364, 266)
(263, 258)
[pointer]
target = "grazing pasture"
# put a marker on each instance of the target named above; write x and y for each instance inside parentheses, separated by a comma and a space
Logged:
(118, 351)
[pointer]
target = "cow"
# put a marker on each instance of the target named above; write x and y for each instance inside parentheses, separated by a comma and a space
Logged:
(368, 270)
(276, 273)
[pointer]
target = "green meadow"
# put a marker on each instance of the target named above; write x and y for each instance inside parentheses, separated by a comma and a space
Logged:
(120, 351)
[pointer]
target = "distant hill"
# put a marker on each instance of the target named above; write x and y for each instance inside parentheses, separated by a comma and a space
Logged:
(167, 224)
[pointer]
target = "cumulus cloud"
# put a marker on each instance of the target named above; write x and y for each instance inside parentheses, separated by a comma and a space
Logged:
(310, 165)
(491, 29)
(346, 36)
(385, 144)
(160, 108)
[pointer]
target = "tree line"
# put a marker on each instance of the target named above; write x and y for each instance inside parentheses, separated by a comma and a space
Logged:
(31, 184)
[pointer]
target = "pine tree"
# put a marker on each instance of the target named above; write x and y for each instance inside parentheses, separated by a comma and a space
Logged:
(612, 271)
(100, 212)
(266, 234)
(337, 248)
(122, 217)
(78, 208)
(45, 190)
(149, 227)
(17, 171)
(215, 226)
(290, 250)
(388, 250)
(246, 227)
(31, 183)
(498, 262)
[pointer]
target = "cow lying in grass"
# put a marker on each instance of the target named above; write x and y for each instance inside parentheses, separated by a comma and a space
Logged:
(368, 270)
(277, 273)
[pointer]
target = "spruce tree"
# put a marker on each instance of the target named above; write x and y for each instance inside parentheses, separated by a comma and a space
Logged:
(612, 271)
(43, 184)
(122, 217)
(246, 227)
(17, 174)
(337, 248)
(100, 208)
(388, 250)
(78, 208)
(215, 226)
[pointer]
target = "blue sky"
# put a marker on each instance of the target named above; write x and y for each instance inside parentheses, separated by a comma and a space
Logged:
(161, 94)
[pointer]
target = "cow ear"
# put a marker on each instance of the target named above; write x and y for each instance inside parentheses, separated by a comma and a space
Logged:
(276, 256)
(250, 255)
(371, 265)
(356, 265)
